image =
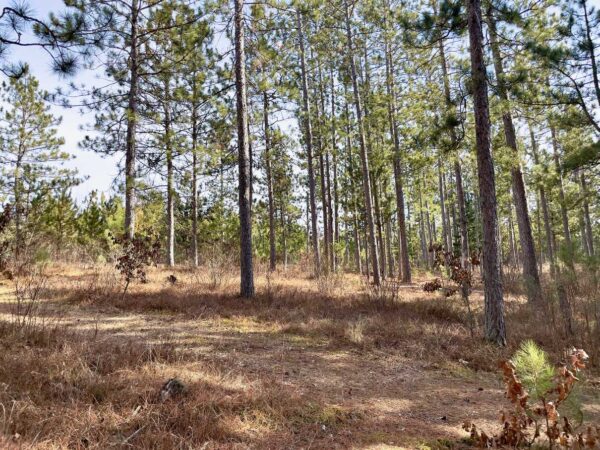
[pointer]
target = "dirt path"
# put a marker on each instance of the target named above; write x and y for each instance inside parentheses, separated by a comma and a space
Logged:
(376, 398)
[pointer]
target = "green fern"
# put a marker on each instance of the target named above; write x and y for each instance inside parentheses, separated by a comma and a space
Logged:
(533, 369)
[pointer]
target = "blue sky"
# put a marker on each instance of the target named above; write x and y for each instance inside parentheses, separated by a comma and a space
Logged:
(100, 171)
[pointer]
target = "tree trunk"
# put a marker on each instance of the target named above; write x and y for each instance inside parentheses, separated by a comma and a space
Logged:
(495, 330)
(353, 200)
(284, 249)
(195, 185)
(591, 49)
(545, 210)
(336, 225)
(245, 205)
(530, 272)
(309, 150)
(404, 261)
(586, 214)
(538, 217)
(272, 247)
(170, 182)
(323, 182)
(561, 196)
(424, 252)
(379, 225)
(132, 107)
(388, 243)
(18, 208)
(445, 232)
(460, 195)
(363, 155)
(514, 257)
(326, 183)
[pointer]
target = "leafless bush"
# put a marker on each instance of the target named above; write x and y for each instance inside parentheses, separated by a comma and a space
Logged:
(512, 280)
(218, 264)
(386, 293)
(330, 283)
(29, 290)
(103, 282)
(272, 288)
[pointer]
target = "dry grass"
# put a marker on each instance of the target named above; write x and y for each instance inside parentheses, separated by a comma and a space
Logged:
(307, 364)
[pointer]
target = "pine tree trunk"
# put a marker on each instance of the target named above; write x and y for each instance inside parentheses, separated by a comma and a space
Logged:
(353, 201)
(245, 180)
(330, 225)
(538, 218)
(530, 272)
(323, 182)
(561, 197)
(336, 225)
(460, 195)
(545, 211)
(170, 182)
(586, 214)
(404, 261)
(495, 330)
(308, 137)
(194, 184)
(374, 252)
(591, 49)
(272, 247)
(379, 224)
(445, 231)
(424, 252)
(18, 208)
(514, 257)
(388, 244)
(327, 206)
(283, 236)
(132, 107)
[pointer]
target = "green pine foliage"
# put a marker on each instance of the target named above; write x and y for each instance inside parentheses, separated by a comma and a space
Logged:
(534, 369)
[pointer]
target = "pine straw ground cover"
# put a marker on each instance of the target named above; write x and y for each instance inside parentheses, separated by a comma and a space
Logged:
(307, 364)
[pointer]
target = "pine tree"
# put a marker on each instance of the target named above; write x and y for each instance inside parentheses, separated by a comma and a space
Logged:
(29, 144)
(245, 181)
(494, 302)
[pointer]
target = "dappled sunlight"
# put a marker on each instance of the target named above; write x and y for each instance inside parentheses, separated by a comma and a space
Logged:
(292, 367)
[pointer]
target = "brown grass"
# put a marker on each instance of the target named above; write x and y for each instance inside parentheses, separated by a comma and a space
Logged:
(306, 364)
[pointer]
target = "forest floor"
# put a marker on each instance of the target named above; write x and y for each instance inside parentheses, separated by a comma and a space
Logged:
(305, 365)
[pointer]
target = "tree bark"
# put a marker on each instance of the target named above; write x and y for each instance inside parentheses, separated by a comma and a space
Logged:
(545, 210)
(323, 185)
(194, 120)
(272, 246)
(495, 329)
(245, 177)
(460, 194)
(590, 48)
(170, 181)
(336, 225)
(530, 271)
(308, 137)
(561, 197)
(424, 252)
(324, 156)
(404, 261)
(586, 214)
(18, 205)
(132, 108)
(363, 155)
(445, 231)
